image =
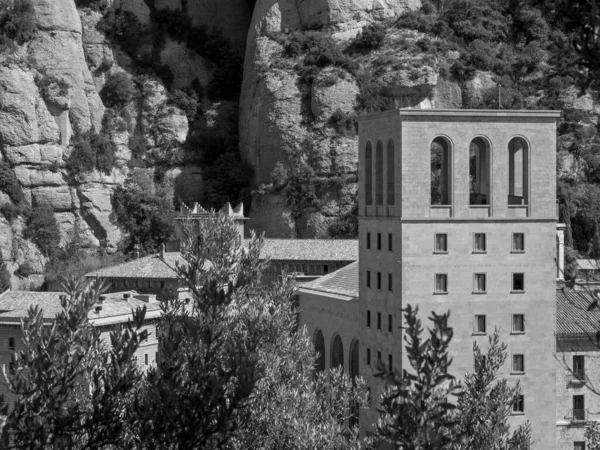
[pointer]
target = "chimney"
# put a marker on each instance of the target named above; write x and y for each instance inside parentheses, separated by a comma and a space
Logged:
(136, 251)
(101, 299)
(126, 296)
(162, 251)
(98, 309)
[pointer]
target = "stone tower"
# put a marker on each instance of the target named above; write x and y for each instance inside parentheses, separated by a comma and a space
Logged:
(457, 211)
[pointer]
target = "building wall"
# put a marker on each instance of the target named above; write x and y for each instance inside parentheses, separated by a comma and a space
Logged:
(567, 430)
(413, 221)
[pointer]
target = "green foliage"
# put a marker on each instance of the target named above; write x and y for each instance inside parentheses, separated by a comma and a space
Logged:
(25, 270)
(227, 179)
(133, 36)
(415, 412)
(370, 38)
(5, 282)
(343, 123)
(17, 20)
(11, 212)
(9, 183)
(42, 229)
(144, 210)
(72, 389)
(472, 20)
(592, 435)
(187, 100)
(91, 151)
(486, 403)
(346, 226)
(118, 90)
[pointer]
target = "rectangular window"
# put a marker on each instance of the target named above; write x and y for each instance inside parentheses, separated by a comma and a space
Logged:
(389, 323)
(518, 363)
(11, 344)
(390, 282)
(378, 241)
(578, 407)
(368, 357)
(379, 357)
(518, 323)
(479, 282)
(368, 278)
(519, 405)
(368, 241)
(390, 242)
(441, 243)
(378, 280)
(579, 445)
(441, 283)
(479, 324)
(518, 282)
(518, 242)
(156, 357)
(389, 363)
(379, 321)
(368, 318)
(146, 359)
(479, 243)
(579, 366)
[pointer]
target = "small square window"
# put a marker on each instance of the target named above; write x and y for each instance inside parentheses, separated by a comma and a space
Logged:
(479, 324)
(518, 242)
(518, 282)
(368, 357)
(579, 445)
(368, 278)
(389, 323)
(378, 241)
(378, 280)
(519, 405)
(390, 282)
(479, 244)
(518, 363)
(368, 318)
(368, 240)
(379, 321)
(441, 243)
(441, 283)
(518, 323)
(479, 282)
(390, 242)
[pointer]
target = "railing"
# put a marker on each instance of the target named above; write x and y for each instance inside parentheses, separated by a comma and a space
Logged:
(577, 376)
(577, 415)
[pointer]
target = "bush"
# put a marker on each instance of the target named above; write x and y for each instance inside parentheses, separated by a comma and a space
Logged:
(173, 21)
(82, 158)
(10, 211)
(118, 90)
(17, 21)
(187, 100)
(105, 152)
(4, 275)
(25, 270)
(371, 37)
(470, 20)
(42, 229)
(342, 123)
(124, 28)
(9, 183)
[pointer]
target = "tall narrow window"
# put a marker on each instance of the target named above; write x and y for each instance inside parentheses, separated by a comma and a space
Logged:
(579, 367)
(390, 173)
(368, 357)
(337, 352)
(518, 323)
(479, 243)
(390, 365)
(578, 407)
(518, 363)
(389, 323)
(368, 241)
(369, 175)
(479, 324)
(378, 280)
(441, 243)
(320, 350)
(441, 283)
(11, 344)
(441, 172)
(379, 321)
(479, 172)
(518, 242)
(390, 247)
(390, 282)
(479, 282)
(378, 241)
(368, 278)
(519, 405)
(368, 318)
(518, 182)
(354, 360)
(379, 174)
(518, 282)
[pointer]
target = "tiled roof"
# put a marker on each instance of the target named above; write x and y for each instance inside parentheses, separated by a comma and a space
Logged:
(152, 266)
(572, 314)
(15, 304)
(311, 249)
(343, 281)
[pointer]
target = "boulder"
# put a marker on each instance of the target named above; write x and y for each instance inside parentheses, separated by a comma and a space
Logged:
(35, 154)
(332, 90)
(6, 238)
(35, 177)
(96, 209)
(476, 86)
(172, 126)
(59, 198)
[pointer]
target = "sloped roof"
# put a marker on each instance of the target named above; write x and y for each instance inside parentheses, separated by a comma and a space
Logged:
(152, 266)
(15, 304)
(572, 315)
(311, 249)
(343, 281)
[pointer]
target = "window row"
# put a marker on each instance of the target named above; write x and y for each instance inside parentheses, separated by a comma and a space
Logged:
(479, 283)
(517, 324)
(336, 354)
(517, 364)
(379, 170)
(379, 362)
(379, 245)
(479, 243)
(379, 281)
(379, 324)
(480, 171)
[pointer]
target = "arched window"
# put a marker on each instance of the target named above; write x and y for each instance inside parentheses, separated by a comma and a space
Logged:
(369, 174)
(379, 174)
(479, 172)
(441, 172)
(518, 168)
(390, 173)
(354, 351)
(337, 352)
(320, 350)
